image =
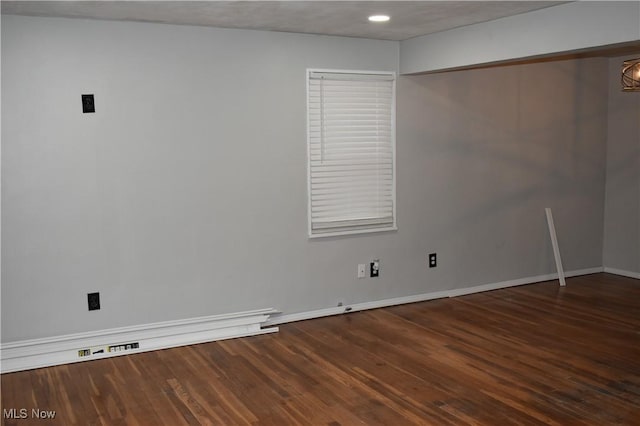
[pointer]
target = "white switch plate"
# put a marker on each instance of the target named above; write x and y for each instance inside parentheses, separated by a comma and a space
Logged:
(362, 268)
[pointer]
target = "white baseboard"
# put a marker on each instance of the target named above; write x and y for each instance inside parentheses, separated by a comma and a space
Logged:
(623, 273)
(28, 354)
(522, 281)
(300, 316)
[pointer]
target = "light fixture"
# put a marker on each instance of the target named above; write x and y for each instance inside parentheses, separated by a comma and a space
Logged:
(631, 75)
(379, 18)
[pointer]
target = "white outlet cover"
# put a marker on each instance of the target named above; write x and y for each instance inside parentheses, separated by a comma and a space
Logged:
(362, 270)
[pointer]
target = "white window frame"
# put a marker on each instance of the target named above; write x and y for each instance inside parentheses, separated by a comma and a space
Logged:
(359, 230)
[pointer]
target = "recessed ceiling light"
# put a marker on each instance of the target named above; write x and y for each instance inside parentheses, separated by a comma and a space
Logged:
(379, 18)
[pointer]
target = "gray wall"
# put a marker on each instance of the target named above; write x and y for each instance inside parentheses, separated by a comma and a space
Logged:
(483, 152)
(622, 208)
(185, 193)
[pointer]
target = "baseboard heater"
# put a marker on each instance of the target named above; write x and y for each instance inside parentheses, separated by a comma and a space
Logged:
(29, 354)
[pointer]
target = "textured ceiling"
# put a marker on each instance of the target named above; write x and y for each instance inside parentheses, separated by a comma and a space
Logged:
(343, 18)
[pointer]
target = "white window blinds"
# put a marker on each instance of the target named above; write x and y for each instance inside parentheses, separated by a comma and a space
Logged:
(351, 146)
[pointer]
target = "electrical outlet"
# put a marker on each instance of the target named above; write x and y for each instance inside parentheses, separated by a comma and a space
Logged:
(433, 260)
(374, 268)
(93, 300)
(362, 272)
(87, 104)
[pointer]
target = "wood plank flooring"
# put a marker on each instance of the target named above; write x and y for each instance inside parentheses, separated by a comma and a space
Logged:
(529, 355)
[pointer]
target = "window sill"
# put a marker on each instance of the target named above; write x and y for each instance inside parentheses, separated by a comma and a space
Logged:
(352, 232)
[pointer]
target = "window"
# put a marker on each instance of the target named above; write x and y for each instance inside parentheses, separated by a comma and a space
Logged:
(351, 152)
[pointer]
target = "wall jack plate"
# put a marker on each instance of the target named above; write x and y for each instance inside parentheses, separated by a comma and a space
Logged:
(93, 300)
(362, 272)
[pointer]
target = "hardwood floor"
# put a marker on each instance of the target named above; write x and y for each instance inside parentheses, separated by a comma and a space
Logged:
(535, 354)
